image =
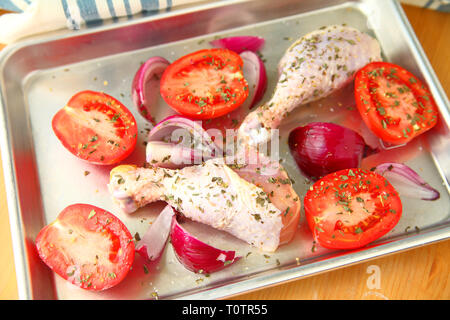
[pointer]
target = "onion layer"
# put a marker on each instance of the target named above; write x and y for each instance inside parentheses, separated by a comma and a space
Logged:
(407, 182)
(196, 255)
(239, 44)
(145, 87)
(320, 148)
(256, 76)
(164, 150)
(154, 240)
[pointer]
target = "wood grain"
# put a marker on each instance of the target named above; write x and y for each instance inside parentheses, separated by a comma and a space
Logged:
(421, 273)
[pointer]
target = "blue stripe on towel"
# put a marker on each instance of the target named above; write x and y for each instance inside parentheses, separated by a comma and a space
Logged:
(89, 13)
(150, 5)
(429, 3)
(66, 9)
(444, 7)
(126, 3)
(112, 11)
(71, 23)
(439, 5)
(169, 5)
(9, 5)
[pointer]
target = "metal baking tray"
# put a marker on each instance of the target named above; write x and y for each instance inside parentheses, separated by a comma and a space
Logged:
(38, 76)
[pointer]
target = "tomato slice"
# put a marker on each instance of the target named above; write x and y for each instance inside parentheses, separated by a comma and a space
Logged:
(393, 102)
(96, 127)
(351, 208)
(205, 84)
(87, 246)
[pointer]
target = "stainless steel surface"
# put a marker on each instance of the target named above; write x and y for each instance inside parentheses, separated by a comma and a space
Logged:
(39, 76)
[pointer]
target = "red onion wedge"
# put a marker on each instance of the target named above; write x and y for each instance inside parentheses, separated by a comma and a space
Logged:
(165, 149)
(239, 44)
(407, 182)
(256, 76)
(145, 87)
(154, 240)
(320, 148)
(196, 255)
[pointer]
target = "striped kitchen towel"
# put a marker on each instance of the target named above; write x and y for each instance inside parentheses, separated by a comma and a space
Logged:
(440, 5)
(38, 16)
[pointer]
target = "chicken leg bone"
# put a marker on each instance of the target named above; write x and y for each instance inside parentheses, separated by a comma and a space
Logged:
(316, 65)
(201, 193)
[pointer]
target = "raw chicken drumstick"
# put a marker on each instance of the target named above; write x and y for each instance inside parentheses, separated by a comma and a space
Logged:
(317, 64)
(210, 193)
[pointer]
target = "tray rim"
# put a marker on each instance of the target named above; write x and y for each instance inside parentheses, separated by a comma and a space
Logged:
(12, 200)
(437, 234)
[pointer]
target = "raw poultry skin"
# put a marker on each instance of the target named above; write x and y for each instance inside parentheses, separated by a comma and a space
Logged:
(316, 65)
(210, 193)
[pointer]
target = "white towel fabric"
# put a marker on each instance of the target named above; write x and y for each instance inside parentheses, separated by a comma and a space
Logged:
(38, 16)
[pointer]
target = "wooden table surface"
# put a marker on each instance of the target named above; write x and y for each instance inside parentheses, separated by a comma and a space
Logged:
(421, 273)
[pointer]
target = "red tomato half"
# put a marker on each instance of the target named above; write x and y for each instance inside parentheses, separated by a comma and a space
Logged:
(351, 208)
(205, 84)
(393, 102)
(87, 246)
(96, 127)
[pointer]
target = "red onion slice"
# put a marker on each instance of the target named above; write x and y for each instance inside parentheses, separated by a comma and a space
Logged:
(239, 44)
(146, 82)
(320, 148)
(255, 73)
(407, 182)
(196, 255)
(154, 240)
(201, 144)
